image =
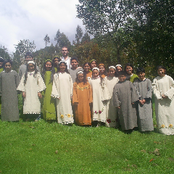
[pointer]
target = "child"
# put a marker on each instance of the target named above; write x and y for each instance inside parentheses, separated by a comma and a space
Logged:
(144, 90)
(124, 97)
(31, 86)
(62, 90)
(87, 72)
(118, 69)
(56, 61)
(163, 89)
(102, 69)
(129, 70)
(74, 68)
(100, 96)
(48, 108)
(93, 63)
(111, 81)
(9, 81)
(1, 69)
(82, 99)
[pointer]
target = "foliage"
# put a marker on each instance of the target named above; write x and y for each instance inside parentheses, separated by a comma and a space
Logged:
(47, 40)
(78, 35)
(4, 53)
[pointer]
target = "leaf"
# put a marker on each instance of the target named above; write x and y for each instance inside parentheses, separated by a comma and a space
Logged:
(151, 160)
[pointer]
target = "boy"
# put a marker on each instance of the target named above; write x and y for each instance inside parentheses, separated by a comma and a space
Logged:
(124, 97)
(74, 68)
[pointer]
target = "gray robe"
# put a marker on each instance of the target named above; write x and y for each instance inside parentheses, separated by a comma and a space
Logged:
(8, 84)
(144, 90)
(124, 94)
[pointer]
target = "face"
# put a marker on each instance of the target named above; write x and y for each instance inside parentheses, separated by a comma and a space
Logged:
(31, 67)
(62, 67)
(74, 64)
(1, 63)
(112, 72)
(161, 72)
(56, 61)
(48, 66)
(80, 77)
(119, 68)
(28, 58)
(122, 78)
(141, 75)
(93, 64)
(102, 69)
(86, 68)
(95, 73)
(8, 67)
(129, 70)
(65, 52)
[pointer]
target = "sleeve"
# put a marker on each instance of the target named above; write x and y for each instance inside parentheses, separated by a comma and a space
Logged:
(105, 92)
(55, 87)
(75, 96)
(90, 98)
(40, 82)
(155, 89)
(149, 90)
(21, 86)
(170, 92)
(134, 95)
(20, 73)
(116, 101)
(135, 83)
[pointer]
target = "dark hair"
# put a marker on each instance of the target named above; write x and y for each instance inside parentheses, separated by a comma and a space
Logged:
(128, 64)
(28, 54)
(74, 58)
(122, 73)
(66, 47)
(160, 67)
(66, 70)
(84, 79)
(34, 75)
(6, 61)
(52, 71)
(56, 57)
(140, 69)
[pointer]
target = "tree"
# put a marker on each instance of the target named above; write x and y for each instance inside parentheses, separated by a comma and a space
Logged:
(79, 34)
(4, 52)
(85, 38)
(47, 40)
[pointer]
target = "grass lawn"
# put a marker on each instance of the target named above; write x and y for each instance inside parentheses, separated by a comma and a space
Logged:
(46, 148)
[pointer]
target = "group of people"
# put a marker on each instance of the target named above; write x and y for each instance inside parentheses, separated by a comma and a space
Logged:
(87, 95)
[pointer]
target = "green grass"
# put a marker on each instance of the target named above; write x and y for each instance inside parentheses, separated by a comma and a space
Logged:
(44, 148)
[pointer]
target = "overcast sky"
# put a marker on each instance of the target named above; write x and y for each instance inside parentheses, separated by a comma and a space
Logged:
(33, 19)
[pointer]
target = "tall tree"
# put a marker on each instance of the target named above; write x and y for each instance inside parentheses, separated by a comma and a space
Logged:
(85, 38)
(47, 40)
(79, 34)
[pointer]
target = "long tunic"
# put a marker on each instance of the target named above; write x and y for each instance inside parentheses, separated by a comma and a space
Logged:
(73, 73)
(1, 69)
(111, 114)
(82, 94)
(124, 94)
(48, 109)
(164, 107)
(31, 88)
(62, 90)
(8, 84)
(144, 90)
(100, 97)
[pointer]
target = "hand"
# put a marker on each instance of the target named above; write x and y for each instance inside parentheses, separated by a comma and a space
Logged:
(118, 107)
(141, 101)
(24, 94)
(163, 96)
(39, 95)
(144, 101)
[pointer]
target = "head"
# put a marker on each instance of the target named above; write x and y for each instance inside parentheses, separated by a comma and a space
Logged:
(93, 63)
(74, 62)
(62, 67)
(7, 65)
(31, 66)
(141, 73)
(28, 57)
(80, 76)
(122, 76)
(112, 71)
(1, 62)
(101, 67)
(48, 65)
(56, 61)
(95, 72)
(119, 67)
(161, 70)
(129, 68)
(86, 67)
(65, 51)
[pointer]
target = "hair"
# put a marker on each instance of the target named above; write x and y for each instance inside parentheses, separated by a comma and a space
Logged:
(161, 67)
(34, 75)
(52, 71)
(93, 60)
(110, 67)
(28, 54)
(140, 69)
(66, 47)
(84, 79)
(6, 61)
(66, 70)
(122, 73)
(128, 64)
(74, 58)
(105, 72)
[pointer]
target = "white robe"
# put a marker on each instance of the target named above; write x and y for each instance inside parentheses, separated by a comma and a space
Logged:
(164, 107)
(62, 90)
(111, 110)
(100, 97)
(31, 88)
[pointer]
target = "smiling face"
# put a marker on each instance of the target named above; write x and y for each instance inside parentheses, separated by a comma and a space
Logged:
(31, 67)
(7, 67)
(122, 78)
(74, 64)
(95, 73)
(62, 67)
(93, 64)
(141, 76)
(119, 68)
(111, 72)
(102, 69)
(161, 72)
(86, 67)
(56, 61)
(80, 77)
(129, 70)
(48, 66)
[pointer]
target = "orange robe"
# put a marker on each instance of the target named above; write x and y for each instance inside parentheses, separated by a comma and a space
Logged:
(82, 94)
(89, 75)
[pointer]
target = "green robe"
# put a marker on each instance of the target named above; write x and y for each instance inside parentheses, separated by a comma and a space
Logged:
(48, 109)
(1, 69)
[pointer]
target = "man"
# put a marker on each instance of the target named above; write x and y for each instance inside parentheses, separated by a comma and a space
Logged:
(23, 67)
(65, 56)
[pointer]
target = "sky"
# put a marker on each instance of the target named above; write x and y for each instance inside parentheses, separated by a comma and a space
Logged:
(33, 19)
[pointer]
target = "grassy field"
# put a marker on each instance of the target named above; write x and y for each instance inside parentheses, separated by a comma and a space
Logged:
(47, 148)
